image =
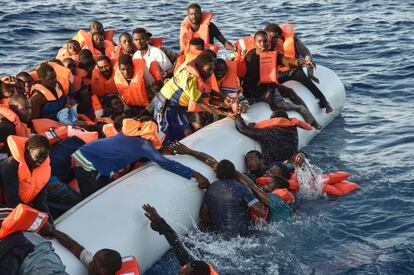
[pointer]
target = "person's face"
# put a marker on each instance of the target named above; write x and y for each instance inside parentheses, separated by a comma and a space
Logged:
(274, 171)
(50, 79)
(220, 70)
(253, 163)
(24, 85)
(262, 43)
(194, 15)
(270, 186)
(273, 38)
(36, 156)
(95, 266)
(105, 68)
(23, 110)
(73, 48)
(126, 43)
(117, 106)
(8, 90)
(140, 41)
(126, 71)
(96, 27)
(98, 41)
(207, 70)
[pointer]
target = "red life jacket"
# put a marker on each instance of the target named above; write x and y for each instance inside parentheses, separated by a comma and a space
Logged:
(282, 122)
(102, 86)
(243, 46)
(63, 75)
(230, 84)
(30, 183)
(23, 218)
(64, 53)
(129, 266)
(156, 41)
(82, 37)
(133, 93)
(186, 34)
(80, 79)
(284, 194)
(340, 188)
(21, 128)
(268, 67)
(54, 131)
(288, 43)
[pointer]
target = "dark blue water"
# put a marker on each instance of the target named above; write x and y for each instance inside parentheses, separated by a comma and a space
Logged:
(369, 44)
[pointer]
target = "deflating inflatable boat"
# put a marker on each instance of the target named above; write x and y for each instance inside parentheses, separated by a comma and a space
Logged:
(113, 218)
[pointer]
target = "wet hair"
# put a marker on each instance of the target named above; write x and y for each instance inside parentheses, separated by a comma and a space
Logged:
(284, 171)
(221, 61)
(197, 41)
(25, 75)
(38, 141)
(73, 41)
(211, 53)
(260, 33)
(125, 59)
(194, 6)
(199, 268)
(271, 27)
(112, 260)
(42, 70)
(281, 182)
(124, 34)
(279, 114)
(254, 152)
(103, 57)
(141, 30)
(203, 59)
(225, 170)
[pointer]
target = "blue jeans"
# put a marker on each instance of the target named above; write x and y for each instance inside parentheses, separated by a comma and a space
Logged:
(60, 197)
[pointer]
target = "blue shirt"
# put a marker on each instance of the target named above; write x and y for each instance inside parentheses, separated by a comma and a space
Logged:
(228, 202)
(115, 153)
(279, 209)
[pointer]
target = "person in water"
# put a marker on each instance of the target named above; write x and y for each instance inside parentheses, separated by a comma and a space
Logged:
(255, 166)
(189, 265)
(198, 24)
(254, 91)
(97, 161)
(274, 31)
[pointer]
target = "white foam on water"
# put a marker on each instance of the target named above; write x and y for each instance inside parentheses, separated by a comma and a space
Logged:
(311, 181)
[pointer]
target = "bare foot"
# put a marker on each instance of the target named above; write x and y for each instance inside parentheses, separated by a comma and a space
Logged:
(328, 108)
(316, 125)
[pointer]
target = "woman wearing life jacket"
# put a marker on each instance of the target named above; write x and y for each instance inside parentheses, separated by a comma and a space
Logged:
(24, 83)
(102, 81)
(71, 50)
(198, 24)
(47, 97)
(189, 265)
(126, 46)
(14, 120)
(187, 85)
(294, 48)
(24, 175)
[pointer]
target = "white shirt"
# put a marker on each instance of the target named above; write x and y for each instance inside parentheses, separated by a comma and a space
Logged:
(86, 257)
(154, 54)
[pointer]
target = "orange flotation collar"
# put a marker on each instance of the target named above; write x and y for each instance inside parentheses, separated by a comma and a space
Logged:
(282, 122)
(147, 130)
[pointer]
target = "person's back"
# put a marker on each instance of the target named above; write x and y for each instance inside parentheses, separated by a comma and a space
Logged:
(228, 202)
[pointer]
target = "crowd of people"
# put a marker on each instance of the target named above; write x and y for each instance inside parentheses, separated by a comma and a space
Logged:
(101, 109)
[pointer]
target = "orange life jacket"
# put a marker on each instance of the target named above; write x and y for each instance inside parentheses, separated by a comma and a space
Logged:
(102, 86)
(156, 41)
(243, 46)
(97, 106)
(212, 271)
(215, 48)
(340, 188)
(282, 122)
(54, 131)
(109, 130)
(147, 130)
(230, 84)
(184, 59)
(133, 93)
(129, 266)
(294, 182)
(63, 75)
(80, 79)
(23, 218)
(85, 40)
(268, 67)
(21, 128)
(30, 183)
(84, 135)
(284, 194)
(54, 103)
(186, 34)
(109, 47)
(64, 53)
(288, 43)
(336, 177)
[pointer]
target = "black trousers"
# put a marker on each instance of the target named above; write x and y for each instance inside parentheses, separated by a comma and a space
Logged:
(90, 181)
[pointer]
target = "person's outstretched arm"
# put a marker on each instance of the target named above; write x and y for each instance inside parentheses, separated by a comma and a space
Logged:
(159, 225)
(69, 243)
(181, 149)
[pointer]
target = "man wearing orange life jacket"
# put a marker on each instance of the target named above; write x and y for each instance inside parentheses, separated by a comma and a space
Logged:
(126, 46)
(79, 76)
(102, 81)
(99, 46)
(7, 89)
(130, 82)
(189, 265)
(195, 45)
(71, 50)
(14, 120)
(198, 24)
(293, 47)
(24, 83)
(24, 175)
(254, 89)
(47, 97)
(189, 84)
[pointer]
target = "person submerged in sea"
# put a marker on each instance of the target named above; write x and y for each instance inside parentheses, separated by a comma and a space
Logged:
(189, 265)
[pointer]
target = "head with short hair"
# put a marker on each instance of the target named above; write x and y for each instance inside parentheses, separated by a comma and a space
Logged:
(73, 47)
(194, 13)
(220, 69)
(125, 41)
(205, 65)
(104, 65)
(7, 89)
(261, 41)
(86, 61)
(96, 26)
(118, 122)
(37, 149)
(276, 182)
(225, 170)
(140, 38)
(253, 161)
(19, 104)
(279, 113)
(24, 83)
(196, 44)
(126, 66)
(278, 170)
(113, 105)
(70, 64)
(47, 75)
(105, 262)
(98, 40)
(195, 268)
(274, 32)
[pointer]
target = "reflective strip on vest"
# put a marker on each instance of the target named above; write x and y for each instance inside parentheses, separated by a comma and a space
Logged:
(37, 223)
